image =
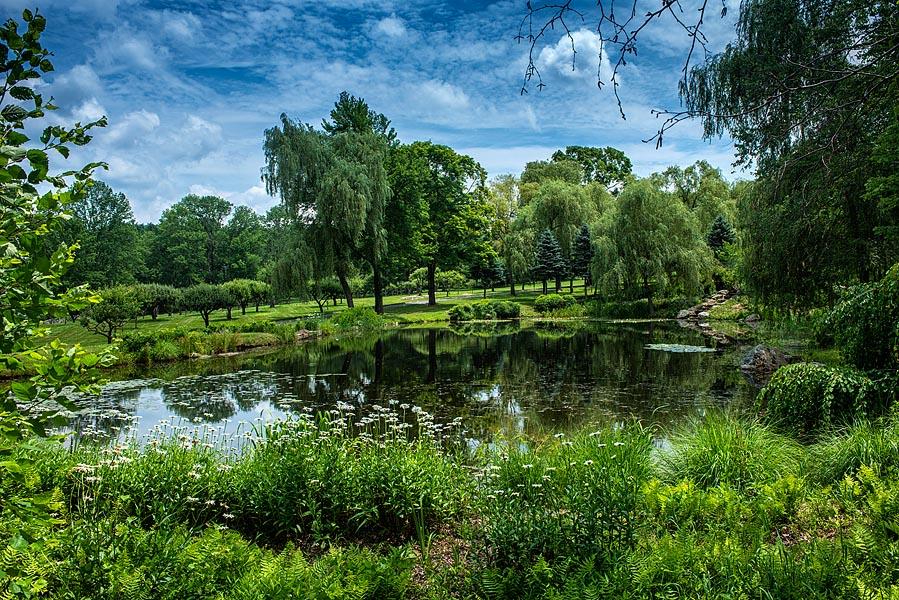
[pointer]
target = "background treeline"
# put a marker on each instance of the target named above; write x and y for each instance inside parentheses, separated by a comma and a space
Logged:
(362, 213)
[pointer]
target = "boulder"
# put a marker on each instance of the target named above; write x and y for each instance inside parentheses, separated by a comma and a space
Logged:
(762, 361)
(685, 314)
(753, 318)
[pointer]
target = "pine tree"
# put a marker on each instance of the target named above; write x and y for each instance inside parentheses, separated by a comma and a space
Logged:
(548, 261)
(582, 256)
(721, 233)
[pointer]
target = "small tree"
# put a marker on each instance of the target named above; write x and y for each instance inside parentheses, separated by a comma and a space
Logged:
(117, 306)
(449, 280)
(720, 234)
(488, 271)
(205, 298)
(241, 291)
(582, 256)
(260, 291)
(155, 298)
(548, 260)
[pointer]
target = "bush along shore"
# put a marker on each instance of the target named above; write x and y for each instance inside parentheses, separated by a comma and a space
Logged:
(389, 504)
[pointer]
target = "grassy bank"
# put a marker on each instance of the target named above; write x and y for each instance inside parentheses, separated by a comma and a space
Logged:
(360, 506)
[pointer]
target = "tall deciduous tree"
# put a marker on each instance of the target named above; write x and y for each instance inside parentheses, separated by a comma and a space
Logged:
(244, 246)
(102, 225)
(190, 242)
(650, 244)
(609, 166)
(446, 193)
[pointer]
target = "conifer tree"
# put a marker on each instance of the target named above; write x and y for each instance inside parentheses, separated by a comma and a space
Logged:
(548, 260)
(721, 233)
(582, 256)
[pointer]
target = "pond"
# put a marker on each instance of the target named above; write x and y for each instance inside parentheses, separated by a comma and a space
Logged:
(499, 380)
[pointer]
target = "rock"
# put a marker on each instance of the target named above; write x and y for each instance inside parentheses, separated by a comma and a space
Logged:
(753, 318)
(704, 314)
(685, 314)
(761, 362)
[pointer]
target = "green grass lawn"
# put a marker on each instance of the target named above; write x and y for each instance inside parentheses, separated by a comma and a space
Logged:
(405, 309)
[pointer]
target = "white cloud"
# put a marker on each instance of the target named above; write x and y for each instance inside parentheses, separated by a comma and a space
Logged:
(580, 63)
(131, 129)
(392, 26)
(441, 94)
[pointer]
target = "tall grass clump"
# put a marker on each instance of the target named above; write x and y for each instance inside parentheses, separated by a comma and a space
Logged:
(865, 443)
(723, 449)
(569, 500)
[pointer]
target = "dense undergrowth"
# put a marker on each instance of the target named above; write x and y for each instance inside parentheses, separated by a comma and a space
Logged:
(366, 506)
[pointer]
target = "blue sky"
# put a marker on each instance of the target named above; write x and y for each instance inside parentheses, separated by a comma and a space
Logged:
(190, 86)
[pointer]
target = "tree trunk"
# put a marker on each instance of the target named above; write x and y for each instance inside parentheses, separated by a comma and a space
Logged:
(544, 287)
(647, 290)
(512, 286)
(432, 285)
(229, 313)
(154, 312)
(243, 309)
(558, 284)
(345, 286)
(432, 356)
(257, 306)
(378, 288)
(205, 316)
(571, 286)
(485, 291)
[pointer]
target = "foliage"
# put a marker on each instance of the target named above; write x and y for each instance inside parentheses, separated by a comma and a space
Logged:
(563, 170)
(811, 138)
(117, 306)
(190, 241)
(568, 499)
(362, 318)
(637, 309)
(485, 310)
(806, 398)
(867, 442)
(549, 263)
(551, 302)
(155, 298)
(102, 224)
(609, 166)
(720, 234)
(722, 449)
(205, 298)
(651, 245)
(448, 281)
(31, 274)
(582, 256)
(865, 323)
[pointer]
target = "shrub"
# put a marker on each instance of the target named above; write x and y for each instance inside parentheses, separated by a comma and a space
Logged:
(725, 450)
(117, 306)
(552, 302)
(865, 323)
(637, 309)
(805, 397)
(361, 317)
(485, 310)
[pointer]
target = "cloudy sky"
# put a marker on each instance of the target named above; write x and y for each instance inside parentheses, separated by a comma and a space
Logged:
(189, 86)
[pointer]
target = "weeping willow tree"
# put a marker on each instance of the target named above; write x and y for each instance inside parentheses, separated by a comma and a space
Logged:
(805, 91)
(648, 245)
(335, 187)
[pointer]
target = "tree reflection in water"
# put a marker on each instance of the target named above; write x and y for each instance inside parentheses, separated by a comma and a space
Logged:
(499, 379)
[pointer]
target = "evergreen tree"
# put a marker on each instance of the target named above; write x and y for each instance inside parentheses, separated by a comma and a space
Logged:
(720, 234)
(548, 260)
(582, 256)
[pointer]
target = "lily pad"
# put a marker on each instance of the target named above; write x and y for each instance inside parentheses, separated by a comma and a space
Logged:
(678, 348)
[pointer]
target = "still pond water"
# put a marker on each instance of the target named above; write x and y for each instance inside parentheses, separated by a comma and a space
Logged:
(534, 379)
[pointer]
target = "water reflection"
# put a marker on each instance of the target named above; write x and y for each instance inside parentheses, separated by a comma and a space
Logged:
(501, 379)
